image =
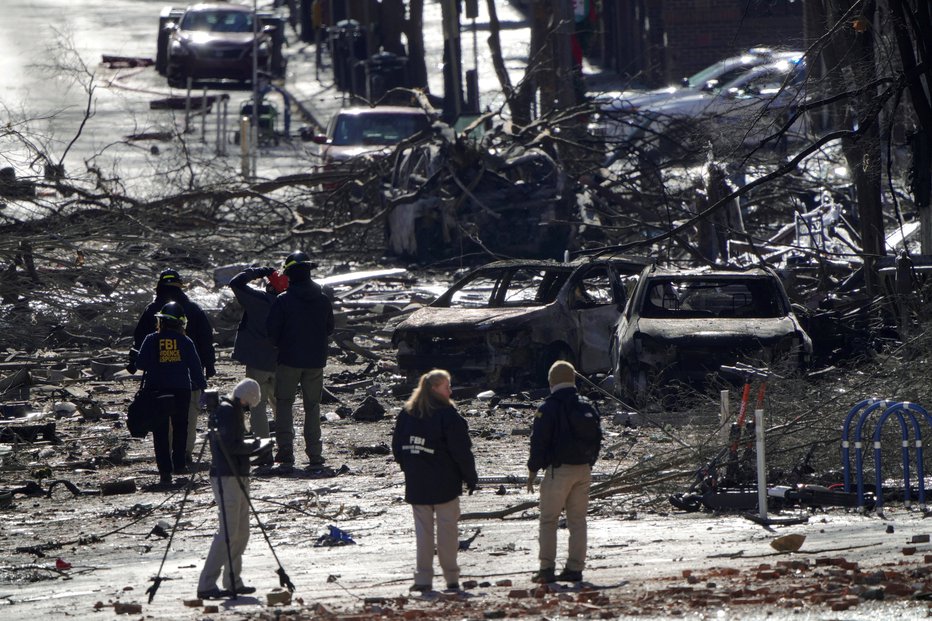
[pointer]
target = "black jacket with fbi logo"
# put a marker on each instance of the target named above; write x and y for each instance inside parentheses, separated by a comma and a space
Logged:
(170, 362)
(435, 453)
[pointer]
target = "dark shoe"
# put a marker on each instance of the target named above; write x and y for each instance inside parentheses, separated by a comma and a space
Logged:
(285, 456)
(245, 590)
(453, 586)
(544, 576)
(420, 588)
(213, 593)
(182, 470)
(570, 575)
(316, 461)
(165, 479)
(263, 460)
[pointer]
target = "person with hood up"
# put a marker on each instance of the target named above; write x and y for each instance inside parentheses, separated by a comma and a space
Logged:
(299, 324)
(229, 478)
(252, 346)
(170, 288)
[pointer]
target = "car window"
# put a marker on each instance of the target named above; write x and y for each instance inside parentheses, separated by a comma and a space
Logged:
(475, 293)
(592, 290)
(751, 298)
(217, 21)
(376, 128)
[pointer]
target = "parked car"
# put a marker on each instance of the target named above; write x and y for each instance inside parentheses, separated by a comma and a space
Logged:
(685, 324)
(366, 131)
(709, 80)
(746, 109)
(508, 321)
(215, 41)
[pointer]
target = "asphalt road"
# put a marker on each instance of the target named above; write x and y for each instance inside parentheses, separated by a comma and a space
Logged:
(53, 76)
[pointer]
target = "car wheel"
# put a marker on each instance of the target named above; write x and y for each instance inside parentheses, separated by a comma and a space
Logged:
(176, 78)
(634, 384)
(554, 352)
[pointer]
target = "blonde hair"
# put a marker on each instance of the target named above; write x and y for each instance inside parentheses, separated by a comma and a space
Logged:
(424, 400)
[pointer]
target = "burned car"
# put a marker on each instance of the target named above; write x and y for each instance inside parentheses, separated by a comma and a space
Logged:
(505, 323)
(685, 324)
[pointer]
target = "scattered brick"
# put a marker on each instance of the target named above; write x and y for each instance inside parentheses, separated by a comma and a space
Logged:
(909, 550)
(518, 593)
(504, 583)
(919, 539)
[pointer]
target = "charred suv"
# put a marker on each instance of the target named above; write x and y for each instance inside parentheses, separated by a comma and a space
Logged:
(507, 322)
(685, 324)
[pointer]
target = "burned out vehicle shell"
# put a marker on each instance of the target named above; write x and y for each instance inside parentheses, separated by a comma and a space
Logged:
(566, 312)
(746, 317)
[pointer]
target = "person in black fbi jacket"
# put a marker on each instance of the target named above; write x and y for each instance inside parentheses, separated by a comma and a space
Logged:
(565, 442)
(170, 288)
(229, 478)
(171, 370)
(431, 444)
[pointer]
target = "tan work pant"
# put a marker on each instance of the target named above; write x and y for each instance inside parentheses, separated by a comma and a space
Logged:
(258, 416)
(566, 487)
(194, 408)
(234, 520)
(447, 518)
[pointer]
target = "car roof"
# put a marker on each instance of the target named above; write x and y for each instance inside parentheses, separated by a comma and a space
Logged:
(705, 272)
(382, 109)
(566, 265)
(213, 6)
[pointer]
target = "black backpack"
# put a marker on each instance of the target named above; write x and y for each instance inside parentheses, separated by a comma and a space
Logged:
(579, 433)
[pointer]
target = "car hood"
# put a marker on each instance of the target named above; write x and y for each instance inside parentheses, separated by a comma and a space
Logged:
(684, 104)
(197, 37)
(763, 330)
(429, 318)
(341, 153)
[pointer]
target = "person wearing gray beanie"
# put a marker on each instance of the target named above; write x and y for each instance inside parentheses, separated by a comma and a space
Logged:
(229, 478)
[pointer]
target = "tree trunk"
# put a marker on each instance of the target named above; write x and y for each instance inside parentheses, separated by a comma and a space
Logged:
(414, 30)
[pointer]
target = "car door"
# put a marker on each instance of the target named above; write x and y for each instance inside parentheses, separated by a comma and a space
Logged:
(593, 301)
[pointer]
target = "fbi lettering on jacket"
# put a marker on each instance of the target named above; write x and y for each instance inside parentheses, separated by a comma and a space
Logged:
(168, 350)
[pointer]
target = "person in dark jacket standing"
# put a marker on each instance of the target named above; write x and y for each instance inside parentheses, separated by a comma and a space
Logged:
(170, 289)
(565, 443)
(431, 444)
(299, 324)
(252, 346)
(171, 370)
(229, 478)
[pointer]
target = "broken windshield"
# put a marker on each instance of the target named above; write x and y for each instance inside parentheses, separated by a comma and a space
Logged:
(751, 298)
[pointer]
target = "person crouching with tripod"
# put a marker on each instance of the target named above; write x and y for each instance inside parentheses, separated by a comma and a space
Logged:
(229, 478)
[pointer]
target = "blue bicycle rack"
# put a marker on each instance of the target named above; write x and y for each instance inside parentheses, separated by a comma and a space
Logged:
(888, 408)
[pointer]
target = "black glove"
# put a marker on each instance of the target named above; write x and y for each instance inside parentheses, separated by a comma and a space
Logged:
(209, 371)
(131, 365)
(263, 272)
(472, 487)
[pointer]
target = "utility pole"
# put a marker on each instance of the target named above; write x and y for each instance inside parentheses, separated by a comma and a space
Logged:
(453, 72)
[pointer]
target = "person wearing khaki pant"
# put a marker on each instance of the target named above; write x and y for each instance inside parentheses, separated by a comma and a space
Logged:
(431, 444)
(565, 442)
(566, 487)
